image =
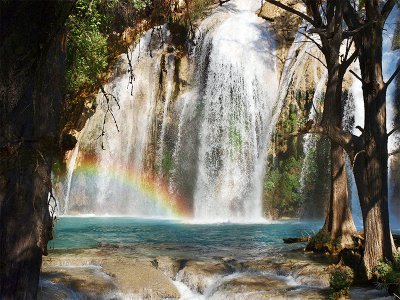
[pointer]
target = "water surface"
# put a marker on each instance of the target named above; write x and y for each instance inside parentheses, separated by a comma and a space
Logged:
(152, 237)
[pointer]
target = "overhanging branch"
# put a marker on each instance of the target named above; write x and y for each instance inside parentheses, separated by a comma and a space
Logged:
(350, 33)
(393, 76)
(294, 11)
(387, 8)
(393, 130)
(356, 76)
(311, 39)
(351, 143)
(317, 59)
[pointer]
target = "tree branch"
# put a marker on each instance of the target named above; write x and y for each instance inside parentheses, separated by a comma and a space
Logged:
(223, 1)
(351, 143)
(346, 63)
(393, 130)
(350, 33)
(317, 59)
(351, 17)
(393, 76)
(356, 76)
(311, 39)
(109, 110)
(294, 11)
(387, 8)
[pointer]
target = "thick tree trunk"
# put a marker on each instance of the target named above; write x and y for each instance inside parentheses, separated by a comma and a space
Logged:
(374, 202)
(339, 220)
(31, 91)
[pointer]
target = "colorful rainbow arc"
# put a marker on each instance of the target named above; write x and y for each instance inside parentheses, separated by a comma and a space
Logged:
(154, 189)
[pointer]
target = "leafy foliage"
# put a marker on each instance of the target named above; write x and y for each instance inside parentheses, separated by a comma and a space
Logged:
(340, 280)
(282, 187)
(387, 274)
(90, 27)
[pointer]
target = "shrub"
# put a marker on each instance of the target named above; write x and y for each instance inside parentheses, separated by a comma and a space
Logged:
(340, 280)
(387, 274)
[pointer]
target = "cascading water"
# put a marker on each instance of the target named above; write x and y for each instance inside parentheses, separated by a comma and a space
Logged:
(353, 117)
(236, 101)
(70, 171)
(114, 179)
(220, 125)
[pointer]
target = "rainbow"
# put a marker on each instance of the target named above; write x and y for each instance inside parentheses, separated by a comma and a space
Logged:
(153, 188)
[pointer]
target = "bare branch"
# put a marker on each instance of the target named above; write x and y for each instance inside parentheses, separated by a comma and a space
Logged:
(356, 76)
(348, 61)
(387, 8)
(351, 17)
(311, 39)
(351, 143)
(294, 11)
(317, 59)
(132, 77)
(393, 76)
(393, 130)
(350, 33)
(223, 1)
(108, 97)
(360, 128)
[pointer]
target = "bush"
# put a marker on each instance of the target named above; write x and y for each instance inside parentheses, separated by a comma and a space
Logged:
(340, 280)
(87, 51)
(387, 274)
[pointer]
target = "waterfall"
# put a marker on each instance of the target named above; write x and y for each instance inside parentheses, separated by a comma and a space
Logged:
(310, 140)
(70, 171)
(236, 99)
(116, 179)
(390, 61)
(213, 131)
(170, 69)
(354, 116)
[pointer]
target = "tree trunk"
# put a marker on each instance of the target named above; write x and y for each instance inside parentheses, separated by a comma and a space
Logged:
(374, 201)
(339, 220)
(31, 90)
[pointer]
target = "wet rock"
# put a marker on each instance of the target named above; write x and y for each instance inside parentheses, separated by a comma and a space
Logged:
(169, 266)
(89, 281)
(304, 272)
(198, 275)
(252, 283)
(94, 273)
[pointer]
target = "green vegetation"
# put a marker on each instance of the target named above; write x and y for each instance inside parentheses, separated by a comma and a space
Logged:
(387, 274)
(90, 30)
(167, 163)
(340, 280)
(282, 187)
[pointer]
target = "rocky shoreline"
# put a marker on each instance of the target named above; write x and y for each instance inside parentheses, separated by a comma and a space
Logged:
(113, 272)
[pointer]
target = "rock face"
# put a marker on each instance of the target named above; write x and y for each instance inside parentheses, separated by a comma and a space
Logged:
(290, 186)
(284, 24)
(94, 274)
(31, 88)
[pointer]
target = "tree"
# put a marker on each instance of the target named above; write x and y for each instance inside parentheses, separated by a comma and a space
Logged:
(368, 152)
(339, 224)
(372, 158)
(31, 94)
